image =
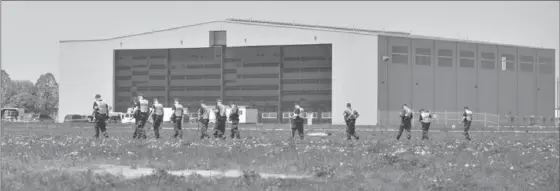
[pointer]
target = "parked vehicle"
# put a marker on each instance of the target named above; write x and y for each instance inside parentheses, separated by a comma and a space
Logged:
(11, 114)
(75, 118)
(127, 118)
(42, 118)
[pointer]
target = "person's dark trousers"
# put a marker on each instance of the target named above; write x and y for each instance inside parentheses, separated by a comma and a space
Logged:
(140, 132)
(467, 125)
(405, 126)
(204, 129)
(351, 129)
(100, 125)
(177, 127)
(425, 129)
(220, 127)
(235, 129)
(158, 119)
(297, 126)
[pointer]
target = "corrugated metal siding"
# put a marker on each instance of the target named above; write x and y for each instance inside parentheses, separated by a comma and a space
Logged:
(445, 90)
(545, 83)
(422, 74)
(467, 77)
(488, 66)
(465, 74)
(507, 88)
(383, 82)
(526, 81)
(399, 73)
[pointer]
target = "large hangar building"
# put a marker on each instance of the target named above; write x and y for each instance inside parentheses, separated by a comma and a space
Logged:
(271, 65)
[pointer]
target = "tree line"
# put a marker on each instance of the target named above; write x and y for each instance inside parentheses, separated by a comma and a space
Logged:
(38, 97)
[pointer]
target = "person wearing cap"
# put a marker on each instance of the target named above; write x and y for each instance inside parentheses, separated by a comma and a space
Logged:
(406, 118)
(157, 116)
(350, 116)
(221, 118)
(234, 118)
(142, 115)
(467, 119)
(425, 119)
(101, 114)
(297, 121)
(203, 118)
(178, 112)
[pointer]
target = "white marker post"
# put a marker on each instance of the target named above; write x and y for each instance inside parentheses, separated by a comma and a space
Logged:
(504, 67)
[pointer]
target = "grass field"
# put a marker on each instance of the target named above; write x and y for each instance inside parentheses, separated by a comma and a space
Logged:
(63, 158)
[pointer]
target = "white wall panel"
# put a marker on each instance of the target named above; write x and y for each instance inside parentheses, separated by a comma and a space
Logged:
(86, 67)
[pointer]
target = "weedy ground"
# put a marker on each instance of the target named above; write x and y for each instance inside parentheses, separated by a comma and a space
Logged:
(41, 159)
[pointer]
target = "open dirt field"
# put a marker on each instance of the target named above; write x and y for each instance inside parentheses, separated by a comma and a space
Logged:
(37, 157)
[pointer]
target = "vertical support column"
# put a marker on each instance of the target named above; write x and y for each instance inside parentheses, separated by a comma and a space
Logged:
(516, 66)
(114, 80)
(477, 68)
(222, 51)
(457, 59)
(434, 60)
(281, 76)
(168, 77)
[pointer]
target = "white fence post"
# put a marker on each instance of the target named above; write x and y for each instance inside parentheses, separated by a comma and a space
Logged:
(445, 116)
(485, 119)
(498, 121)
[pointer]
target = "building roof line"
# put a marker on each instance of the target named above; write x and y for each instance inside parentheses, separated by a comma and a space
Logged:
(139, 34)
(356, 31)
(464, 41)
(253, 22)
(307, 26)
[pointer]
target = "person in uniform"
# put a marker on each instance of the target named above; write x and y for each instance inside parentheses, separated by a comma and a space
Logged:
(178, 112)
(221, 118)
(134, 112)
(141, 116)
(406, 118)
(203, 117)
(157, 116)
(350, 116)
(425, 119)
(297, 121)
(101, 114)
(467, 119)
(234, 118)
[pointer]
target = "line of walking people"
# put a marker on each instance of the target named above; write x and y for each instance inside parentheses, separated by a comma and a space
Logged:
(425, 119)
(142, 112)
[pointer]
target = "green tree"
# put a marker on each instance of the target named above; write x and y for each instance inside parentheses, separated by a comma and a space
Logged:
(20, 86)
(24, 100)
(47, 93)
(7, 90)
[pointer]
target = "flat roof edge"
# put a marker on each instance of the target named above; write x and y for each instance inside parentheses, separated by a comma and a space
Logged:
(421, 37)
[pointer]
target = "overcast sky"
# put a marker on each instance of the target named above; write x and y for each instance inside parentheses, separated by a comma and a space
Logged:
(31, 30)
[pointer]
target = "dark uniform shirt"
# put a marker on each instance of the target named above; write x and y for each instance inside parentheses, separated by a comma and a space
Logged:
(178, 110)
(220, 110)
(158, 109)
(101, 107)
(234, 113)
(467, 115)
(350, 114)
(203, 112)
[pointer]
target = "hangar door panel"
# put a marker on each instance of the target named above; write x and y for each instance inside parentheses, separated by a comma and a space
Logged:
(445, 76)
(382, 80)
(467, 90)
(526, 80)
(508, 81)
(422, 75)
(487, 79)
(398, 76)
(545, 88)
